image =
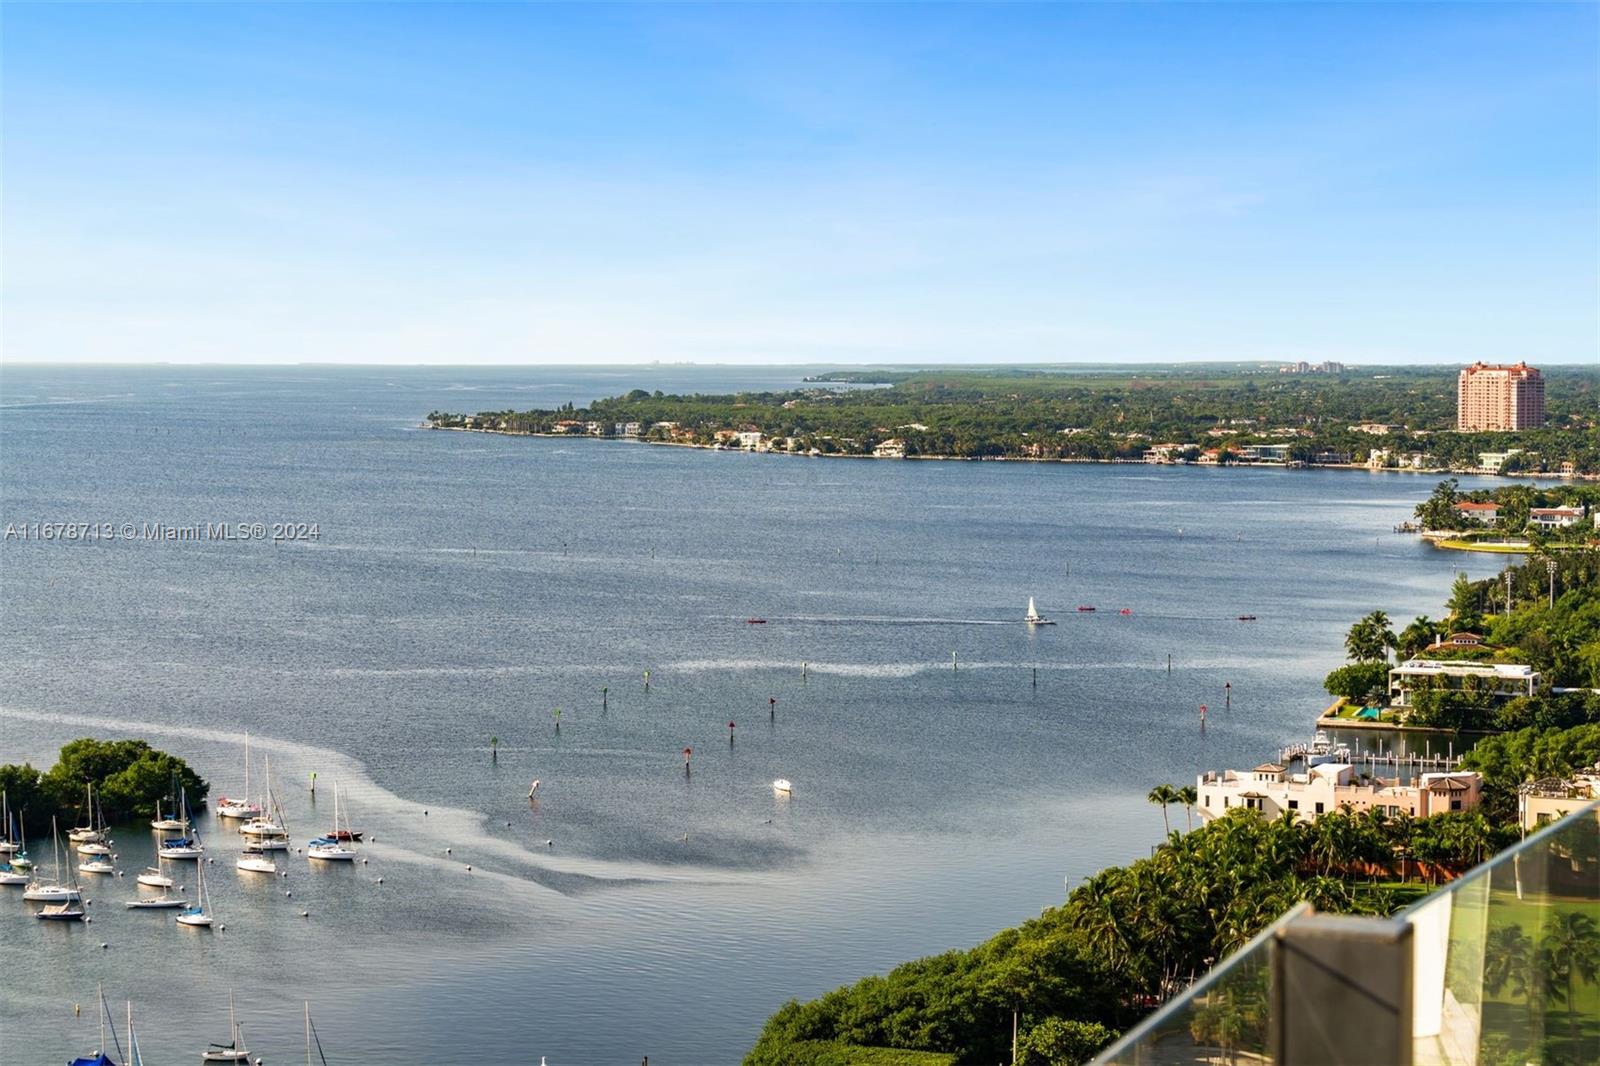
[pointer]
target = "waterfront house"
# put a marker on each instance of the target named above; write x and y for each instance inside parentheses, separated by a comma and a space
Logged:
(1164, 453)
(1264, 453)
(1376, 429)
(890, 449)
(1330, 457)
(1499, 680)
(1491, 462)
(749, 440)
(1272, 789)
(1484, 513)
(1555, 517)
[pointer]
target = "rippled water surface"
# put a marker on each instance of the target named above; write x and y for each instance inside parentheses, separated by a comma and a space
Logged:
(952, 768)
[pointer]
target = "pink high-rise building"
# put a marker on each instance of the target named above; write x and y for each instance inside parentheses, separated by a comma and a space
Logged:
(1500, 397)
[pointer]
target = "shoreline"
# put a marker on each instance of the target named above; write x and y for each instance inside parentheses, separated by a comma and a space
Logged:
(1356, 467)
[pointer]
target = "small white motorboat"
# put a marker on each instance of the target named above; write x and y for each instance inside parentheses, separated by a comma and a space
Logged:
(783, 786)
(97, 865)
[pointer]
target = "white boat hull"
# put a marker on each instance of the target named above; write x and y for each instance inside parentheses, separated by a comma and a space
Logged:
(180, 853)
(96, 868)
(331, 854)
(257, 866)
(155, 880)
(13, 879)
(51, 894)
(225, 1056)
(169, 825)
(199, 921)
(159, 903)
(8, 848)
(94, 849)
(63, 913)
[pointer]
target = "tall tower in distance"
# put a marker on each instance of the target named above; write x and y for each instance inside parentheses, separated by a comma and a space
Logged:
(1499, 397)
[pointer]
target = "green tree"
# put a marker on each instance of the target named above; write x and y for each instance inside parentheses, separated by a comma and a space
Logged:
(1416, 636)
(1164, 796)
(1359, 681)
(1062, 1042)
(1370, 639)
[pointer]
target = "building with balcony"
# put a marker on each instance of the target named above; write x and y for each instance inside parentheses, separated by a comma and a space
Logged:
(1499, 680)
(1555, 517)
(1499, 397)
(1272, 790)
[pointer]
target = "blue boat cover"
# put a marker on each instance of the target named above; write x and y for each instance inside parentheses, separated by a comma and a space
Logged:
(181, 842)
(101, 1059)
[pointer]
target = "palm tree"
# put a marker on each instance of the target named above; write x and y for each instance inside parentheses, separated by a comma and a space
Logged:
(1507, 961)
(1165, 796)
(1416, 636)
(1570, 952)
(1188, 795)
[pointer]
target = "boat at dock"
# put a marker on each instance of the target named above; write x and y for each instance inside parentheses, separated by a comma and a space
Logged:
(1034, 618)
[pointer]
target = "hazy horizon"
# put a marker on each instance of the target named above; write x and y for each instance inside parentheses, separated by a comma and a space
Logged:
(503, 185)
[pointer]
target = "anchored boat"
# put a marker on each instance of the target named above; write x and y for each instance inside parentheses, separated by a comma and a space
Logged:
(1034, 618)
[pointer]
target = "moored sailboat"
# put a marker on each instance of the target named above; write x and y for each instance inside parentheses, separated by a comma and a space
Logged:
(52, 890)
(335, 848)
(234, 1050)
(188, 847)
(198, 914)
(240, 808)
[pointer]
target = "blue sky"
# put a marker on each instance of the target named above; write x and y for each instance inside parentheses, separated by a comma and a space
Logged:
(613, 184)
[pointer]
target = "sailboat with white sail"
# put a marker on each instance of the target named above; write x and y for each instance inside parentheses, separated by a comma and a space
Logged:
(93, 838)
(52, 890)
(198, 914)
(1034, 618)
(234, 1050)
(338, 846)
(240, 808)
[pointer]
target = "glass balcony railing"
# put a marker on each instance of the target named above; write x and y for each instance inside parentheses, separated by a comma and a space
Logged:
(1500, 967)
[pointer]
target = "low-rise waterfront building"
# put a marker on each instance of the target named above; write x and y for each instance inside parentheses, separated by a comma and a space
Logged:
(1484, 513)
(1555, 517)
(1271, 789)
(1265, 453)
(1501, 680)
(890, 449)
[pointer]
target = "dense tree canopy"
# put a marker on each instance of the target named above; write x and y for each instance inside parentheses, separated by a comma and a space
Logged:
(129, 777)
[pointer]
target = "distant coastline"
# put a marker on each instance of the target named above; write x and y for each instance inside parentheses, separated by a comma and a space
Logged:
(1070, 460)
